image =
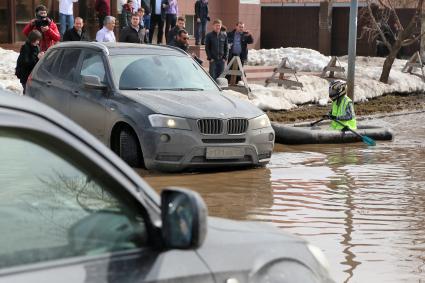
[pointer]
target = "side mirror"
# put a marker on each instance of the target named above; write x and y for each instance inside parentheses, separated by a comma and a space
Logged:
(184, 218)
(222, 82)
(93, 82)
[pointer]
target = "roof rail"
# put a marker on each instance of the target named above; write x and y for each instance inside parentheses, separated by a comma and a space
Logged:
(101, 46)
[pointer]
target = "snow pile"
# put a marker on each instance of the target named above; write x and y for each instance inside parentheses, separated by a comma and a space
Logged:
(8, 80)
(273, 97)
(368, 72)
(302, 59)
(315, 89)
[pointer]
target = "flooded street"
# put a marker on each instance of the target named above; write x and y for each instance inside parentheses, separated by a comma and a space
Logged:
(365, 207)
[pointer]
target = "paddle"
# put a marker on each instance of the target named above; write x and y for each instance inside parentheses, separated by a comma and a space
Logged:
(318, 121)
(365, 139)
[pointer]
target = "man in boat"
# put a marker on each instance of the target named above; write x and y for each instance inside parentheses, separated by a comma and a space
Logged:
(342, 107)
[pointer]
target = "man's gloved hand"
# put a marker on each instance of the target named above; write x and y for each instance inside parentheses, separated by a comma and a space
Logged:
(345, 129)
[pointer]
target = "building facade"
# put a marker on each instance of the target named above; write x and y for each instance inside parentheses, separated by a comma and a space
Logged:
(14, 14)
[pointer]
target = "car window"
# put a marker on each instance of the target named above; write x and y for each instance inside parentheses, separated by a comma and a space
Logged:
(69, 63)
(93, 66)
(52, 207)
(50, 59)
(159, 72)
(53, 62)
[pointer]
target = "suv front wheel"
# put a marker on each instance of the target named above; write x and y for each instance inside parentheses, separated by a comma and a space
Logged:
(129, 148)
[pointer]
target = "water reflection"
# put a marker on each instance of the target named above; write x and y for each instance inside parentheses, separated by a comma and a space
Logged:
(224, 192)
(364, 206)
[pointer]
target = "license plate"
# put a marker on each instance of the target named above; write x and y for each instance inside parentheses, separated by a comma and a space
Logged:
(225, 153)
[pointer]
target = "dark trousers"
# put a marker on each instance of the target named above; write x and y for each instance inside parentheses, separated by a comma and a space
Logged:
(24, 86)
(101, 19)
(170, 23)
(201, 29)
(156, 20)
(216, 68)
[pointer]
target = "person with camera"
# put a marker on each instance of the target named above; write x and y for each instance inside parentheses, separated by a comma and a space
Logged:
(47, 27)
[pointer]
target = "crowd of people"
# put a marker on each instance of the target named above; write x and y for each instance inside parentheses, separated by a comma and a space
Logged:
(137, 24)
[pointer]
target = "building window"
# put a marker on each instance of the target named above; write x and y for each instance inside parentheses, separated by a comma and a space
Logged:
(190, 24)
(4, 21)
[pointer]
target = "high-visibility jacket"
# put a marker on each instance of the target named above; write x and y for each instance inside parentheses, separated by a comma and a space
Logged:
(343, 110)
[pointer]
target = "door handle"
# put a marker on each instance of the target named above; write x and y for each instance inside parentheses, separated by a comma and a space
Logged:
(112, 106)
(48, 83)
(75, 92)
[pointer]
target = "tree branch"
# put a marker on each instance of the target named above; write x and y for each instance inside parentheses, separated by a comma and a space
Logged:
(397, 19)
(407, 42)
(381, 33)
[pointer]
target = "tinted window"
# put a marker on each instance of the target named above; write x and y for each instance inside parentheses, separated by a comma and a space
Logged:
(52, 63)
(50, 59)
(93, 66)
(69, 64)
(53, 207)
(159, 72)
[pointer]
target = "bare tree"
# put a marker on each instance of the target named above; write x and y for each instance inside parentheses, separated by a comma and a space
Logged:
(380, 21)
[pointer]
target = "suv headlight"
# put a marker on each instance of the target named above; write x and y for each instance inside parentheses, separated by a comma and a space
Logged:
(164, 121)
(260, 122)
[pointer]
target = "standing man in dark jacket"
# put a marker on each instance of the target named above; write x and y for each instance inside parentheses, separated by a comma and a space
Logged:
(238, 41)
(28, 57)
(103, 9)
(217, 49)
(134, 33)
(77, 33)
(202, 18)
(158, 9)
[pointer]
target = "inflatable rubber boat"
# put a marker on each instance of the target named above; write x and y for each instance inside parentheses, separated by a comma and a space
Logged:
(304, 133)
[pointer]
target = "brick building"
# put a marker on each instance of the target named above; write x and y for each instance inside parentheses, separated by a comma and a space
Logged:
(274, 23)
(14, 14)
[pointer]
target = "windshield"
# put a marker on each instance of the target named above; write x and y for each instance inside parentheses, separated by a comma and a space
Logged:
(153, 72)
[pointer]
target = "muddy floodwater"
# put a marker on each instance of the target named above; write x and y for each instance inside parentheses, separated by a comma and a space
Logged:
(363, 206)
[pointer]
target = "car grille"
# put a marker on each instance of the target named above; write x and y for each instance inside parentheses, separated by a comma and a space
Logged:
(237, 126)
(215, 126)
(210, 126)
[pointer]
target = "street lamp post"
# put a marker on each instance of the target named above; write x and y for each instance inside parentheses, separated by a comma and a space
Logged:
(352, 38)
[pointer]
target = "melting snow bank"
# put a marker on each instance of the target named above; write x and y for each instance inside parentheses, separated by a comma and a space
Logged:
(315, 89)
(8, 80)
(302, 59)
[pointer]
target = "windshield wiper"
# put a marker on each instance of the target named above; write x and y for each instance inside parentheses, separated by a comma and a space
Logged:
(140, 88)
(184, 88)
(164, 89)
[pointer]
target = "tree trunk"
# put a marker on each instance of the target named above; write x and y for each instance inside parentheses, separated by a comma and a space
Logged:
(388, 63)
(422, 44)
